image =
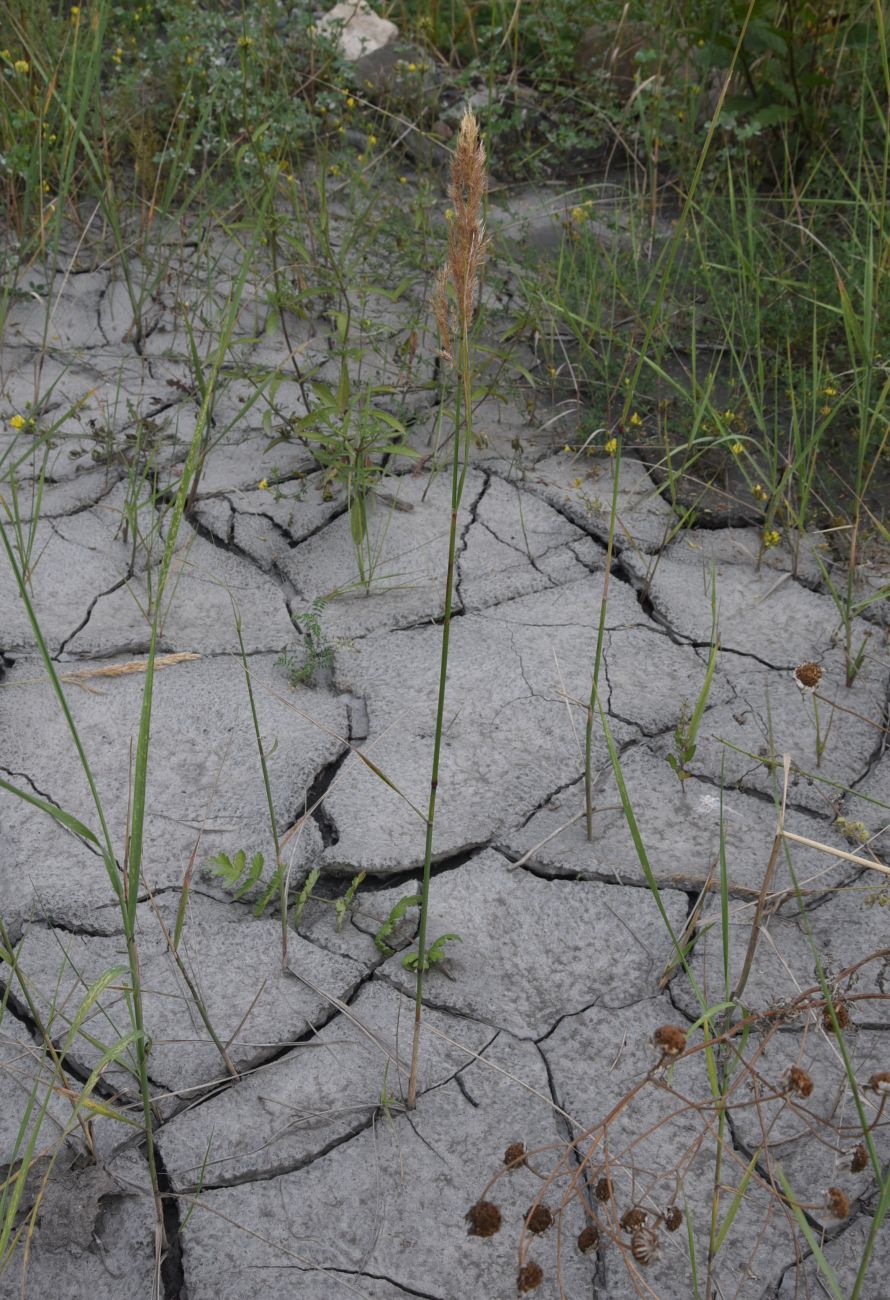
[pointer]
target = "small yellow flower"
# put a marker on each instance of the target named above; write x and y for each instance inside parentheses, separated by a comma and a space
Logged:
(759, 492)
(771, 538)
(22, 66)
(341, 130)
(412, 67)
(578, 214)
(403, 180)
(635, 420)
(372, 140)
(75, 12)
(263, 484)
(245, 42)
(360, 158)
(117, 55)
(576, 482)
(552, 371)
(17, 422)
(46, 187)
(611, 446)
(334, 169)
(4, 54)
(825, 410)
(449, 214)
(567, 449)
(729, 416)
(829, 391)
(737, 448)
(350, 102)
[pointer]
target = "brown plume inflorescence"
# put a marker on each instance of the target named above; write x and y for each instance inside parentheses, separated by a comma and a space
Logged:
(467, 242)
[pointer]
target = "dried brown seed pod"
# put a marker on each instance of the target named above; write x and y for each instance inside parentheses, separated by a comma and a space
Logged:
(798, 1081)
(808, 676)
(633, 1218)
(673, 1217)
(589, 1239)
(670, 1040)
(514, 1156)
(538, 1218)
(603, 1190)
(860, 1159)
(484, 1219)
(842, 1014)
(530, 1277)
(644, 1245)
(836, 1203)
(880, 1082)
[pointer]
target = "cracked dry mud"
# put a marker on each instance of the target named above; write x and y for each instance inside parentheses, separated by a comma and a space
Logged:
(302, 1175)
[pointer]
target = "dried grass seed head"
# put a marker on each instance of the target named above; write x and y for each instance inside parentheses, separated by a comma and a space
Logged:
(467, 243)
(484, 1219)
(530, 1277)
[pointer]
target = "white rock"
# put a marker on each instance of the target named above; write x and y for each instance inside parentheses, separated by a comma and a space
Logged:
(362, 31)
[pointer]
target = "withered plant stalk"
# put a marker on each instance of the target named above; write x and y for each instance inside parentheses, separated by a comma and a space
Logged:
(460, 276)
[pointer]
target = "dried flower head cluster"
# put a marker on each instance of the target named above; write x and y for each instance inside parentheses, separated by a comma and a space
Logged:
(467, 242)
(530, 1277)
(808, 676)
(670, 1040)
(538, 1218)
(484, 1219)
(798, 1081)
(836, 1203)
(860, 1159)
(514, 1156)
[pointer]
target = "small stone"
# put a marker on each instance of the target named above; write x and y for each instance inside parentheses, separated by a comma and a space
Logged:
(358, 29)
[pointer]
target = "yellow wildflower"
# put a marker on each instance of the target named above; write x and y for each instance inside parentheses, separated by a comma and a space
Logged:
(263, 484)
(771, 538)
(350, 102)
(245, 42)
(403, 180)
(334, 169)
(611, 446)
(372, 140)
(829, 391)
(17, 422)
(635, 420)
(578, 214)
(576, 482)
(22, 66)
(759, 492)
(825, 410)
(737, 448)
(412, 67)
(449, 214)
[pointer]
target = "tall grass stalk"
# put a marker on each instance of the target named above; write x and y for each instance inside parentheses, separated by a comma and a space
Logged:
(466, 253)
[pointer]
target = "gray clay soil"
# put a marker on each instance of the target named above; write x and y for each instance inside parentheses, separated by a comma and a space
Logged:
(305, 1177)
